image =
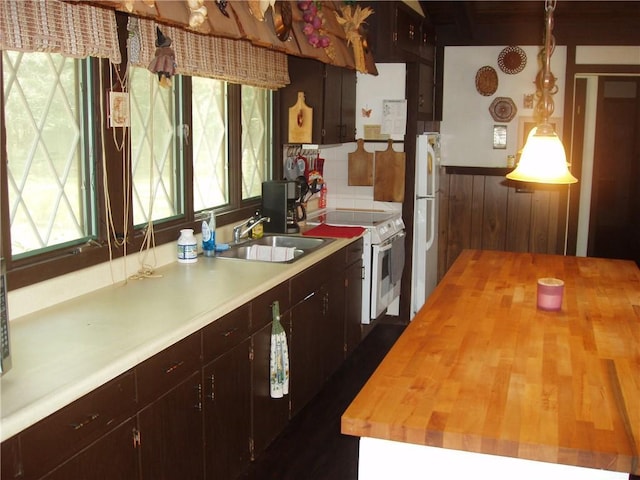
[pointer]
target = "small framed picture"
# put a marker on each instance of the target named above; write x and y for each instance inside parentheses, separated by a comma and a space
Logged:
(499, 136)
(118, 109)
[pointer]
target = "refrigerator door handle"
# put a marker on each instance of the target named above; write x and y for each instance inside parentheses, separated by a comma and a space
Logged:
(432, 222)
(427, 197)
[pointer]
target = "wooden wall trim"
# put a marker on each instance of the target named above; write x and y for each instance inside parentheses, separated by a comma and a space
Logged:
(485, 171)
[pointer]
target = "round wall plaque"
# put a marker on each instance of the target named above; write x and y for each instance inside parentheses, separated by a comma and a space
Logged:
(512, 60)
(503, 109)
(486, 81)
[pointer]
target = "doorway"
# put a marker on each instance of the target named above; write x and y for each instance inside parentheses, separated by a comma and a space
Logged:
(614, 218)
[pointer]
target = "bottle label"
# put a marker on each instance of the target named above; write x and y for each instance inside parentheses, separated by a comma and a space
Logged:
(187, 252)
(208, 237)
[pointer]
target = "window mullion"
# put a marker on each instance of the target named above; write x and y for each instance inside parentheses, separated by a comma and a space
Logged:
(184, 145)
(117, 165)
(235, 144)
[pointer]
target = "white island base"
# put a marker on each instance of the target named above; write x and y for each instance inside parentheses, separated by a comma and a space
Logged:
(386, 459)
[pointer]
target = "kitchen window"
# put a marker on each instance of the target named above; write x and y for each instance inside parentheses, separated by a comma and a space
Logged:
(50, 196)
(201, 144)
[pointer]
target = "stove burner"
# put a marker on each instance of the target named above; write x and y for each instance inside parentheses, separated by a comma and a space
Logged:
(359, 218)
(382, 225)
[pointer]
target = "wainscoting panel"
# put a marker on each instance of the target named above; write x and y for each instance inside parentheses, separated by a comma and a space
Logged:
(480, 208)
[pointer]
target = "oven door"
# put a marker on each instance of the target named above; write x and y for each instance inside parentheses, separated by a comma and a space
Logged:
(387, 263)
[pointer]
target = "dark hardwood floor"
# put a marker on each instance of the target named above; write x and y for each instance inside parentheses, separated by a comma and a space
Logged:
(312, 447)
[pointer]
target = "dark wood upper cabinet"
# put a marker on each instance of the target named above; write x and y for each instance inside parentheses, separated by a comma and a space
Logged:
(397, 33)
(330, 91)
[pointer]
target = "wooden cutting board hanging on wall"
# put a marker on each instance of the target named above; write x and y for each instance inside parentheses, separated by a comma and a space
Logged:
(300, 121)
(388, 183)
(361, 166)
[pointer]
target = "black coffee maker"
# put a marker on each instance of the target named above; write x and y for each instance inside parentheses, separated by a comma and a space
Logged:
(280, 202)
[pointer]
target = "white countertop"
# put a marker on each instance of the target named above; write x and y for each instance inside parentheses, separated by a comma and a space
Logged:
(61, 353)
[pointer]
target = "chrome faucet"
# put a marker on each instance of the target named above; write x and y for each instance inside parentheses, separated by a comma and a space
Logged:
(238, 233)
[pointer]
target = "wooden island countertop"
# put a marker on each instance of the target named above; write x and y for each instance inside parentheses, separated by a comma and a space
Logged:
(481, 369)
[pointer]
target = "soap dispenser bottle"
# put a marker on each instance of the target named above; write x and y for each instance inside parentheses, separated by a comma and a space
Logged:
(209, 235)
(258, 230)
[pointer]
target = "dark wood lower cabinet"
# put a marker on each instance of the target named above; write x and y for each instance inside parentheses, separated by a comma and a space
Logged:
(269, 415)
(114, 456)
(201, 409)
(171, 436)
(305, 350)
(227, 413)
(353, 306)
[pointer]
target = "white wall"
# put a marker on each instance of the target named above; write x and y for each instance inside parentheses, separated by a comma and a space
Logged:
(371, 91)
(467, 125)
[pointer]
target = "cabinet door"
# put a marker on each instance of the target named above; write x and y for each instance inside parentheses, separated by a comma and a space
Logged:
(339, 121)
(306, 76)
(270, 415)
(408, 30)
(332, 326)
(347, 105)
(227, 413)
(332, 120)
(425, 91)
(60, 436)
(353, 307)
(114, 456)
(10, 463)
(171, 437)
(305, 351)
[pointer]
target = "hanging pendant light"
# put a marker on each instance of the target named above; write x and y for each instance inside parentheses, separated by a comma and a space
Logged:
(543, 158)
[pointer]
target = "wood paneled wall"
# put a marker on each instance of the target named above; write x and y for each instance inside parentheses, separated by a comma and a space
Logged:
(480, 208)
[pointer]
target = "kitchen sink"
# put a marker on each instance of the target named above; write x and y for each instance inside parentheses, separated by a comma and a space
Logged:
(275, 248)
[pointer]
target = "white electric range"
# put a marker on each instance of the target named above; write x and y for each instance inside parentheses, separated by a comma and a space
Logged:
(382, 257)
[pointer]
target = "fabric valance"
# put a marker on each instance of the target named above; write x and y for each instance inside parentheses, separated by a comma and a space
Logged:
(73, 30)
(236, 61)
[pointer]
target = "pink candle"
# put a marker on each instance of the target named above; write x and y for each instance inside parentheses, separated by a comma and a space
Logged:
(550, 293)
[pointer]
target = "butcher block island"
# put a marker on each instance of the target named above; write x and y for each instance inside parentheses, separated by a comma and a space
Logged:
(483, 381)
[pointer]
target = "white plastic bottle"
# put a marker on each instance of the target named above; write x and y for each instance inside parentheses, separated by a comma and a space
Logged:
(187, 246)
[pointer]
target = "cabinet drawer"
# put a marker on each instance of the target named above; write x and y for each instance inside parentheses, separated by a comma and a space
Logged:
(261, 313)
(166, 369)
(310, 280)
(57, 437)
(225, 333)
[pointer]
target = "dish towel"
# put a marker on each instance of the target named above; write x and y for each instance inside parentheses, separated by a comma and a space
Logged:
(279, 361)
(270, 254)
(397, 260)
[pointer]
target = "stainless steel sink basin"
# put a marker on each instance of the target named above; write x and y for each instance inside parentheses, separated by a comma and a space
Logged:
(275, 248)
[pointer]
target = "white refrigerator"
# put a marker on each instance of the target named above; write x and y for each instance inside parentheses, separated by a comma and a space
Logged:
(425, 220)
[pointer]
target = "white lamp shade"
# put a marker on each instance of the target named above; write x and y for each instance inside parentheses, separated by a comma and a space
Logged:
(543, 160)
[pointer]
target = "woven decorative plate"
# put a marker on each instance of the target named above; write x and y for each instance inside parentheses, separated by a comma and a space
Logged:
(512, 60)
(486, 81)
(503, 109)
